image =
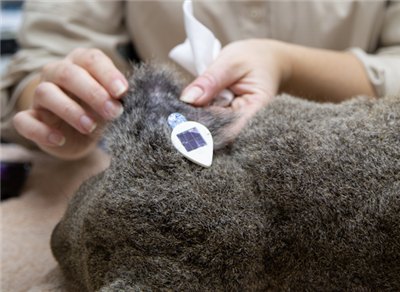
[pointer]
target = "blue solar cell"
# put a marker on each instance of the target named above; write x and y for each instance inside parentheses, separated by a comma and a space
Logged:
(191, 139)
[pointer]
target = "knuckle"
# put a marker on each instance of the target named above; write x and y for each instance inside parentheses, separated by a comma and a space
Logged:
(64, 73)
(76, 52)
(92, 57)
(209, 80)
(231, 47)
(95, 53)
(47, 71)
(25, 129)
(18, 120)
(42, 89)
(68, 111)
(97, 95)
(47, 68)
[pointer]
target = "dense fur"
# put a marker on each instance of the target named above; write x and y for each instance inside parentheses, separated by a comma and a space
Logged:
(306, 198)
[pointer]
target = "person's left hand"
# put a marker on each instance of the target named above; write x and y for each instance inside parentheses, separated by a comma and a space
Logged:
(252, 69)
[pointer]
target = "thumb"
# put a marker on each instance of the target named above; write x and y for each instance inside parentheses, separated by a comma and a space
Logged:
(220, 75)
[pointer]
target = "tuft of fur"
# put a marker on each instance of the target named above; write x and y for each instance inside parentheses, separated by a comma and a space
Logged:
(306, 198)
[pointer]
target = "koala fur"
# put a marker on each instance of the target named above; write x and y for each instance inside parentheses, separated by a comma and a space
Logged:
(306, 198)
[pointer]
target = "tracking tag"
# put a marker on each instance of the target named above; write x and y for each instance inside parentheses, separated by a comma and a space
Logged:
(192, 139)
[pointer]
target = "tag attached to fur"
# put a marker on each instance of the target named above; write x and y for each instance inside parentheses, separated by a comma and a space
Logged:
(192, 139)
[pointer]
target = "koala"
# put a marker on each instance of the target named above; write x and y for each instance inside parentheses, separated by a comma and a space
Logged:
(307, 197)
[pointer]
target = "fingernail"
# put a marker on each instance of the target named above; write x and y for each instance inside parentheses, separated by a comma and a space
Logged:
(113, 109)
(87, 123)
(192, 94)
(56, 139)
(118, 87)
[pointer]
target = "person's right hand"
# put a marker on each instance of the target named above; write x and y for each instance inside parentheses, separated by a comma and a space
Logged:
(72, 102)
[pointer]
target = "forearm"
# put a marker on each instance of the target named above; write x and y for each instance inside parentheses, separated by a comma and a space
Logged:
(324, 75)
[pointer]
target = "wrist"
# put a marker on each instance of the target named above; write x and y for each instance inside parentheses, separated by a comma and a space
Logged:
(281, 54)
(284, 56)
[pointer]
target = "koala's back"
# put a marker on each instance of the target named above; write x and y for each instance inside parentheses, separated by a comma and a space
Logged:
(306, 198)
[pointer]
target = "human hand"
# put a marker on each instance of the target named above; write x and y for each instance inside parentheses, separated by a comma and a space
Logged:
(72, 102)
(255, 70)
(252, 69)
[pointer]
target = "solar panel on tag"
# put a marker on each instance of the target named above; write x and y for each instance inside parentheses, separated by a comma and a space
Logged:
(191, 139)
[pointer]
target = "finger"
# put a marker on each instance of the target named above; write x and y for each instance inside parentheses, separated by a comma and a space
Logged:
(223, 99)
(248, 105)
(222, 73)
(27, 124)
(77, 80)
(244, 107)
(52, 98)
(102, 69)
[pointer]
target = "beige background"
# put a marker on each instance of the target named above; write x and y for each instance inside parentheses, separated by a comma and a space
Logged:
(27, 263)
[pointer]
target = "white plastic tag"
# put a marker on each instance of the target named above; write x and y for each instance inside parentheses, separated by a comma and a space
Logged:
(192, 139)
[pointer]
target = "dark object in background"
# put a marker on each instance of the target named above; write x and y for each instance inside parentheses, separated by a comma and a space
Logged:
(13, 177)
(11, 16)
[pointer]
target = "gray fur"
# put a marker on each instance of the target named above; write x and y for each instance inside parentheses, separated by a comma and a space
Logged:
(306, 198)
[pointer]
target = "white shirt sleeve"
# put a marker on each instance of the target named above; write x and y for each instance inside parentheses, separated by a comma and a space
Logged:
(383, 68)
